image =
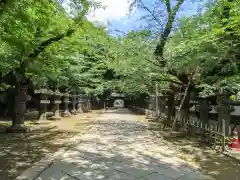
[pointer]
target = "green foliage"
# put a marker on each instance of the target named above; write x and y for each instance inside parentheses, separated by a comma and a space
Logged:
(55, 47)
(51, 46)
(23, 25)
(131, 61)
(208, 41)
(204, 41)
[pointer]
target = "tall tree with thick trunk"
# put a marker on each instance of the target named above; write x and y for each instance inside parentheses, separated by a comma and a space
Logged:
(32, 39)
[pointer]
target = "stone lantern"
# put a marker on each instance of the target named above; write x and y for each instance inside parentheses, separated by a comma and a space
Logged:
(56, 101)
(66, 102)
(223, 109)
(74, 102)
(19, 111)
(44, 101)
(80, 102)
(89, 105)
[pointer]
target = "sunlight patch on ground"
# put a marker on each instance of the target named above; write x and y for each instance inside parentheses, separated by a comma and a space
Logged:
(20, 151)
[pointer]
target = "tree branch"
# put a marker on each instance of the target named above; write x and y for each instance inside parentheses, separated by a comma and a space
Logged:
(43, 46)
(168, 5)
(176, 8)
(172, 81)
(154, 63)
(22, 68)
(48, 42)
(152, 14)
(167, 29)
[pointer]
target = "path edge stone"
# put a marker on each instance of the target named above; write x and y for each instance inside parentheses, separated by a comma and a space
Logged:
(39, 167)
(230, 154)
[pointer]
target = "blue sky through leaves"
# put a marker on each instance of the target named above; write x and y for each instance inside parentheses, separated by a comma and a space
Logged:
(116, 17)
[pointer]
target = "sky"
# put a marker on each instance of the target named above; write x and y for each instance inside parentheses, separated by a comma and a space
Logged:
(115, 15)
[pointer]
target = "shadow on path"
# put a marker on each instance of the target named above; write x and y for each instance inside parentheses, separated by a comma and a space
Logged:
(210, 162)
(20, 151)
(119, 148)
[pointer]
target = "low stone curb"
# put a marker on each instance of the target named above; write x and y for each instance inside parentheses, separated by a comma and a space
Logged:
(39, 167)
(234, 155)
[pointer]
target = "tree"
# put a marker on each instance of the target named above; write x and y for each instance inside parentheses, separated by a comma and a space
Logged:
(160, 15)
(202, 41)
(26, 36)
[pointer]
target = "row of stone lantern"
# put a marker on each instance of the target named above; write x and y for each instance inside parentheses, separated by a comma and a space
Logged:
(45, 95)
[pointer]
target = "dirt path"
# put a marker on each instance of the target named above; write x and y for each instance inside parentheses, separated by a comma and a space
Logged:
(20, 151)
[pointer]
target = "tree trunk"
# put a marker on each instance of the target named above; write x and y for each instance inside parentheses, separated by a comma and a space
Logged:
(170, 104)
(184, 115)
(170, 107)
(162, 108)
(180, 107)
(152, 106)
(204, 111)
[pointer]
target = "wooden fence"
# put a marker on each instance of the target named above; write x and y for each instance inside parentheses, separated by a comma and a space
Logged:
(213, 133)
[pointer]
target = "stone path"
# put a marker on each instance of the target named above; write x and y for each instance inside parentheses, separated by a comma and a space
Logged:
(118, 147)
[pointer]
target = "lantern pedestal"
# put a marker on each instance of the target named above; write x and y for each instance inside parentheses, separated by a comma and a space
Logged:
(74, 102)
(66, 101)
(79, 104)
(18, 128)
(56, 102)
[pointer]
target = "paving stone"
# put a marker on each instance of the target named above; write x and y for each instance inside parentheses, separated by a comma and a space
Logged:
(118, 147)
(96, 174)
(187, 177)
(135, 169)
(55, 176)
(155, 176)
(171, 173)
(54, 172)
(101, 165)
(193, 175)
(117, 175)
(74, 154)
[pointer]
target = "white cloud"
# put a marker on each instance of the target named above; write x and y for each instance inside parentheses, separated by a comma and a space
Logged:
(115, 10)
